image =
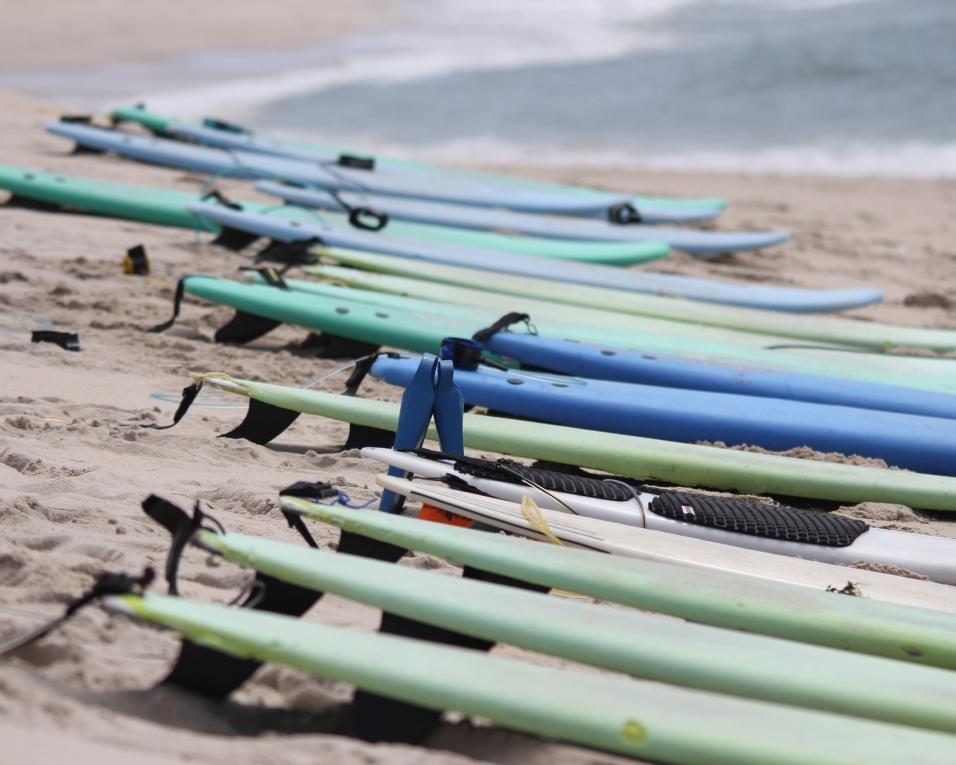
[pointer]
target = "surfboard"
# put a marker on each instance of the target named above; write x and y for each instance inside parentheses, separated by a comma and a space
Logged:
(924, 444)
(774, 298)
(474, 283)
(631, 456)
(622, 640)
(654, 209)
(168, 207)
(627, 716)
(251, 165)
(573, 357)
(795, 611)
(774, 529)
(420, 325)
(692, 241)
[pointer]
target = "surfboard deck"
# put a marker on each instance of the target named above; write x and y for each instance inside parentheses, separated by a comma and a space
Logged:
(623, 640)
(472, 286)
(255, 166)
(420, 325)
(773, 298)
(168, 207)
(930, 556)
(654, 209)
(619, 715)
(692, 241)
(706, 596)
(924, 444)
(640, 458)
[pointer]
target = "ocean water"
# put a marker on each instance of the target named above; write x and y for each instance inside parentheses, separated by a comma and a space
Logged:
(861, 87)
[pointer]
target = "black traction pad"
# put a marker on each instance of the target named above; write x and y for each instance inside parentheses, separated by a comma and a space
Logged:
(787, 524)
(512, 472)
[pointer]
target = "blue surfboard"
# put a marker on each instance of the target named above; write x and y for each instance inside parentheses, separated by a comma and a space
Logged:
(251, 165)
(546, 226)
(651, 209)
(746, 295)
(924, 444)
(571, 357)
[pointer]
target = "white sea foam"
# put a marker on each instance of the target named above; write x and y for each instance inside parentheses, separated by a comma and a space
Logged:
(863, 159)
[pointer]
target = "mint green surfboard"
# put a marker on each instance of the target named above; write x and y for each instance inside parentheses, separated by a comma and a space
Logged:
(632, 456)
(631, 717)
(168, 207)
(717, 598)
(629, 641)
(416, 324)
(873, 336)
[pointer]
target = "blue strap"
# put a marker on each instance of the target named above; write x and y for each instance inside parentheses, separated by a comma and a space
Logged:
(431, 391)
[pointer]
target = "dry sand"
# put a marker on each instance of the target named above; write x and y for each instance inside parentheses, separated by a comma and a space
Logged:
(75, 463)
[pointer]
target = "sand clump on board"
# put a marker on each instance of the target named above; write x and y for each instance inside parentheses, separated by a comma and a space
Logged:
(76, 461)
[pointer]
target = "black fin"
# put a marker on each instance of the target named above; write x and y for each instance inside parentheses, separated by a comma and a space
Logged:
(328, 346)
(263, 422)
(27, 203)
(244, 328)
(234, 239)
(365, 435)
(298, 253)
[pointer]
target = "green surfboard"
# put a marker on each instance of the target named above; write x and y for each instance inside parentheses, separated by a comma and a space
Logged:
(632, 456)
(872, 336)
(168, 207)
(416, 324)
(627, 641)
(717, 598)
(631, 717)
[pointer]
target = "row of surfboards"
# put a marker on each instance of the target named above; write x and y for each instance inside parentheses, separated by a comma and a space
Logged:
(866, 679)
(783, 655)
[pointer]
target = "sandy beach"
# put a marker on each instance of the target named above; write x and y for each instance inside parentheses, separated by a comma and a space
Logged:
(75, 461)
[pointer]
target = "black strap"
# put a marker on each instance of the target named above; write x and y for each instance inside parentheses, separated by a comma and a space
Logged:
(181, 526)
(623, 214)
(69, 341)
(355, 162)
(107, 583)
(177, 303)
(368, 218)
(227, 127)
(503, 323)
(189, 395)
(221, 199)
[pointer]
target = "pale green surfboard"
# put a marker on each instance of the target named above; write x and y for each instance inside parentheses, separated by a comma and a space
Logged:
(632, 717)
(643, 458)
(718, 598)
(821, 329)
(645, 646)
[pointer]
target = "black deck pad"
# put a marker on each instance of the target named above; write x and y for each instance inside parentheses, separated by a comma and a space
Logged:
(769, 521)
(514, 472)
